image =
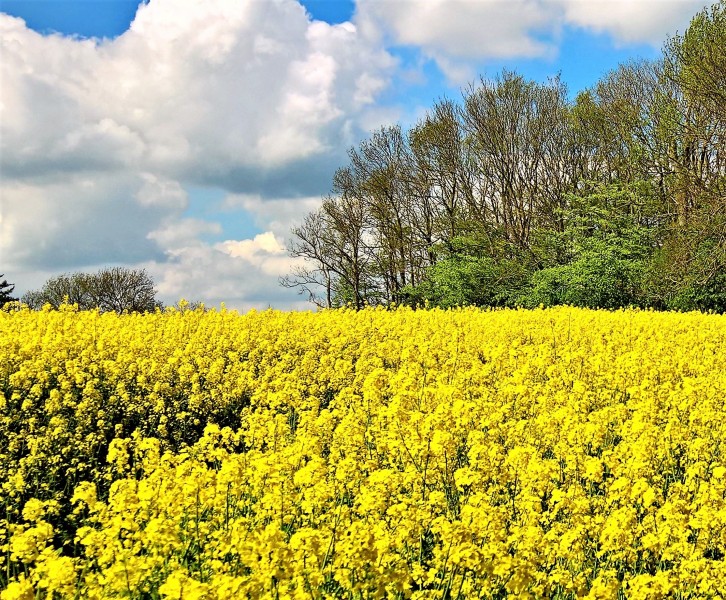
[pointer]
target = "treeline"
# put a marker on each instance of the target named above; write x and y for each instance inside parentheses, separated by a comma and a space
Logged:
(111, 289)
(519, 196)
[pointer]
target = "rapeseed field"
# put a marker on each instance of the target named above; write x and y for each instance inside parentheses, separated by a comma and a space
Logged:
(560, 453)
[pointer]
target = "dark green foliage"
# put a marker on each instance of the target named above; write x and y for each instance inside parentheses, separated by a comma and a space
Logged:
(598, 278)
(706, 296)
(5, 290)
(599, 259)
(689, 271)
(604, 252)
(479, 269)
(468, 280)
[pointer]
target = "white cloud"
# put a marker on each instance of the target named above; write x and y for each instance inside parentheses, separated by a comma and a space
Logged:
(241, 273)
(275, 215)
(263, 245)
(160, 191)
(176, 235)
(193, 88)
(458, 33)
(76, 221)
(100, 139)
(630, 22)
(462, 28)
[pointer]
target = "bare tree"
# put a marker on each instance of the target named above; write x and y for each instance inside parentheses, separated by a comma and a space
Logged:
(520, 137)
(378, 176)
(309, 243)
(119, 289)
(330, 243)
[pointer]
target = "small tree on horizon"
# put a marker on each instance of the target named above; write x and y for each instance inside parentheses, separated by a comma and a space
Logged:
(5, 290)
(116, 289)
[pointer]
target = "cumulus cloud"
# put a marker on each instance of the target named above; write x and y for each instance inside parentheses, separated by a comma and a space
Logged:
(264, 245)
(177, 234)
(193, 88)
(160, 191)
(456, 33)
(241, 273)
(462, 28)
(628, 22)
(277, 215)
(77, 221)
(101, 139)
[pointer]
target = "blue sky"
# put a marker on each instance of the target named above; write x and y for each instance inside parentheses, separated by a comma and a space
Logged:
(187, 137)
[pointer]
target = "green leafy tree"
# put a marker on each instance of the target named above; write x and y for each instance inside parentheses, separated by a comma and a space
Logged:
(689, 270)
(602, 277)
(480, 269)
(469, 280)
(602, 257)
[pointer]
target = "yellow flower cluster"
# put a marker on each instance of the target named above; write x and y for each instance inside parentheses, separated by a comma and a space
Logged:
(559, 453)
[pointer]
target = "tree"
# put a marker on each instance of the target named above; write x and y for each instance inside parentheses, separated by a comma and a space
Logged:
(67, 288)
(442, 163)
(698, 59)
(5, 290)
(316, 270)
(522, 141)
(464, 277)
(690, 268)
(378, 180)
(119, 289)
(116, 289)
(330, 244)
(601, 257)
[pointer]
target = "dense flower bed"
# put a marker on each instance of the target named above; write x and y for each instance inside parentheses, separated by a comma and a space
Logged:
(427, 454)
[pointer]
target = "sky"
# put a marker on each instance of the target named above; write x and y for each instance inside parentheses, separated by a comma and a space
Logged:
(187, 137)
